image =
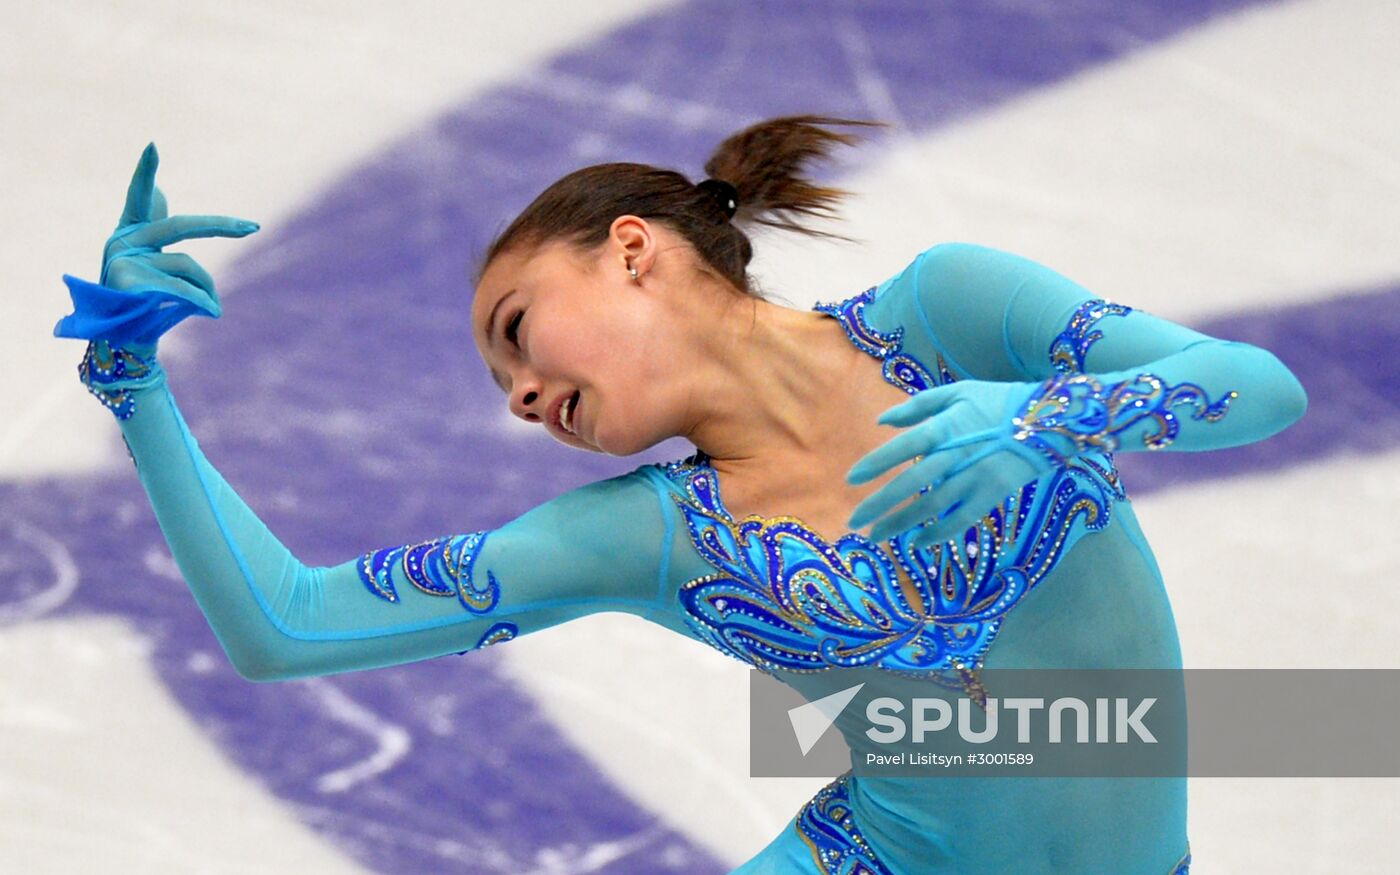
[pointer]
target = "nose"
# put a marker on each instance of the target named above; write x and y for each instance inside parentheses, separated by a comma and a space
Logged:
(522, 402)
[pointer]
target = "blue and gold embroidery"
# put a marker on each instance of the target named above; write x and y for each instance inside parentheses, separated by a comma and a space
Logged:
(112, 374)
(440, 567)
(785, 599)
(499, 633)
(901, 368)
(1086, 414)
(827, 826)
(1068, 349)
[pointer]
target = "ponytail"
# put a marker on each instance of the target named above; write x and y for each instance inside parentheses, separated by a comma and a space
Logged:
(766, 165)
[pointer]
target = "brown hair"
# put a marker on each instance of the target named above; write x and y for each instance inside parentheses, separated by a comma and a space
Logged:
(766, 163)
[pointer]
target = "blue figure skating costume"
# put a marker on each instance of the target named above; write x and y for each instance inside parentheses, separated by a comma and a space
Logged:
(1056, 573)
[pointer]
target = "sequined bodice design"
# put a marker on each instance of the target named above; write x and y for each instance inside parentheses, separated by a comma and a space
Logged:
(784, 598)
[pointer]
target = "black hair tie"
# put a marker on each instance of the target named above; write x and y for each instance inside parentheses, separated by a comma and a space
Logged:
(724, 194)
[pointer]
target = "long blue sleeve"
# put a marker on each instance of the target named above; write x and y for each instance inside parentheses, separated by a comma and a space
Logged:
(1123, 378)
(595, 548)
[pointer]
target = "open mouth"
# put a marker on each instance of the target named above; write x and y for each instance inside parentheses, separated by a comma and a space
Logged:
(568, 415)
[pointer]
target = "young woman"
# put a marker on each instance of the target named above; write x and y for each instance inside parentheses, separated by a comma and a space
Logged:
(616, 312)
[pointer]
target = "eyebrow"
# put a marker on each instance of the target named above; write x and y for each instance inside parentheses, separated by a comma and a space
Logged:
(491, 337)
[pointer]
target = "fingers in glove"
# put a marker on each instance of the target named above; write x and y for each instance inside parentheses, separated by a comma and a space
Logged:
(966, 500)
(134, 275)
(908, 483)
(979, 490)
(923, 507)
(922, 405)
(139, 192)
(176, 228)
(180, 265)
(950, 479)
(159, 208)
(962, 462)
(920, 439)
(956, 519)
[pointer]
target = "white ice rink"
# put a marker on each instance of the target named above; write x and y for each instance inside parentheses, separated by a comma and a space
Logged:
(1251, 161)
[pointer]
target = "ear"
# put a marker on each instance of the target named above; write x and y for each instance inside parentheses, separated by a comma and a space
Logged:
(632, 242)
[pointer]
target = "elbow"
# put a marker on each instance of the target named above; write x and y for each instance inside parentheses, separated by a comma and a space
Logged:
(1290, 398)
(255, 670)
(262, 666)
(249, 657)
(1298, 400)
(1280, 398)
(270, 652)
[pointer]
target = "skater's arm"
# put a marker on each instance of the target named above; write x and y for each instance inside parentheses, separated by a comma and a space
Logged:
(1111, 376)
(1046, 372)
(592, 549)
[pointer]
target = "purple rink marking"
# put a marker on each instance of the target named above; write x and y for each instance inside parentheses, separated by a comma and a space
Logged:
(341, 396)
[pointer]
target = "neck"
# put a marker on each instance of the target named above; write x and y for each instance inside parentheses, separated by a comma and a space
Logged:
(770, 388)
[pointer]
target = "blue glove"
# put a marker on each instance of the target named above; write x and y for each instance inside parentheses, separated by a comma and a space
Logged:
(141, 292)
(979, 441)
(966, 439)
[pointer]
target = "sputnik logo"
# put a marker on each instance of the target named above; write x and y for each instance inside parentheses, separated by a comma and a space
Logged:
(811, 721)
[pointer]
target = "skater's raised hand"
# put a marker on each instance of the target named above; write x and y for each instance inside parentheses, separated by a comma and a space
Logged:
(160, 288)
(142, 292)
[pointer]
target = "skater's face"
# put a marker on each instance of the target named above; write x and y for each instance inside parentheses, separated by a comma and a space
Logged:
(552, 320)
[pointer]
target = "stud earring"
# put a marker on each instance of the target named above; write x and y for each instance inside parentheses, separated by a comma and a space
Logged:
(632, 270)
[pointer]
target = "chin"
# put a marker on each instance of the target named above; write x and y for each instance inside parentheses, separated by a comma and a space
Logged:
(579, 443)
(626, 444)
(606, 445)
(639, 444)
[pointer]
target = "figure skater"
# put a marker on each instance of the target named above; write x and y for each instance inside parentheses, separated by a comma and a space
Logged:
(616, 311)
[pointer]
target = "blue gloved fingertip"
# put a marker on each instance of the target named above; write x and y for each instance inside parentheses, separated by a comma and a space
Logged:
(891, 414)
